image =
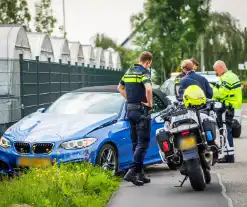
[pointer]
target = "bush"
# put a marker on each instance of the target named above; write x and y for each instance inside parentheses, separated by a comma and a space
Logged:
(245, 95)
(68, 185)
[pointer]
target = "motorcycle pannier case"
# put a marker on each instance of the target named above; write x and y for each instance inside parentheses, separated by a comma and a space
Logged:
(164, 136)
(210, 127)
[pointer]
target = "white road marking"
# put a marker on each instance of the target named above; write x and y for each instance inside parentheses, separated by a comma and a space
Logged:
(223, 192)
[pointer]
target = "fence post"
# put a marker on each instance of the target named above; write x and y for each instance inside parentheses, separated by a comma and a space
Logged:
(60, 62)
(77, 75)
(69, 76)
(49, 71)
(82, 76)
(21, 85)
(37, 72)
(94, 76)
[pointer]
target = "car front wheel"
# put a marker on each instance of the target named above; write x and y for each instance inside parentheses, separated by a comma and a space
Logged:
(107, 158)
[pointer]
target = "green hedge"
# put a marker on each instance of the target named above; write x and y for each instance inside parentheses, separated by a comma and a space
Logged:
(69, 185)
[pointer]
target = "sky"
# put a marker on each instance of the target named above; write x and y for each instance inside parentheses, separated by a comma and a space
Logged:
(85, 18)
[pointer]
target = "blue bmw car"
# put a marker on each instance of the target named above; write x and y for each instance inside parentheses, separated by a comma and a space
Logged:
(88, 124)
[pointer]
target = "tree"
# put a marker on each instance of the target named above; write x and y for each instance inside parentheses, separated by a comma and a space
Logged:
(225, 40)
(170, 31)
(44, 19)
(128, 56)
(14, 12)
(105, 42)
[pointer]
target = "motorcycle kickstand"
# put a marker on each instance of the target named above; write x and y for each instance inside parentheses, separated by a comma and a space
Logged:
(182, 182)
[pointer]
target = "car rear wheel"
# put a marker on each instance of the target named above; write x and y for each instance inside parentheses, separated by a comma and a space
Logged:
(107, 158)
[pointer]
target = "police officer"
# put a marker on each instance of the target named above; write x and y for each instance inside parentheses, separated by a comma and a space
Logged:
(136, 87)
(196, 66)
(192, 78)
(229, 92)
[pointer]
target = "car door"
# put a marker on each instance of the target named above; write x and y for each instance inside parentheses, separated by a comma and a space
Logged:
(156, 123)
(124, 142)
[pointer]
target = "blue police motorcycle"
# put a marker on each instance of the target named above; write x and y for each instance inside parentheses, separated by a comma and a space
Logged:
(193, 135)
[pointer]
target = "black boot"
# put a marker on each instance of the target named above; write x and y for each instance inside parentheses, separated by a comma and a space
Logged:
(222, 160)
(143, 178)
(227, 159)
(230, 159)
(131, 176)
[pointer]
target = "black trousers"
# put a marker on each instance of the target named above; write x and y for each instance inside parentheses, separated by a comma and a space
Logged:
(140, 129)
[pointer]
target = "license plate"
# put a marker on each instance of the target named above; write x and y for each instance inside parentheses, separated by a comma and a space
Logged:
(34, 162)
(188, 143)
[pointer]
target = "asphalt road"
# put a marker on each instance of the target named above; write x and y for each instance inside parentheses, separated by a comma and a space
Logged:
(234, 176)
(162, 192)
(228, 187)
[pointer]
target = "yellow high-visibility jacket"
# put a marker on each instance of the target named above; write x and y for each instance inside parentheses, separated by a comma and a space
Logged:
(228, 90)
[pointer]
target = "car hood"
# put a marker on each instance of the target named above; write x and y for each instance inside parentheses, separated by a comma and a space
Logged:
(49, 127)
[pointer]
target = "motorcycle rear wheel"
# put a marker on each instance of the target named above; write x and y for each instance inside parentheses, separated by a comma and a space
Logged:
(196, 175)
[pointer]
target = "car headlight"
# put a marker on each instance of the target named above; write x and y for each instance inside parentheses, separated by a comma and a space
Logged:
(5, 143)
(79, 143)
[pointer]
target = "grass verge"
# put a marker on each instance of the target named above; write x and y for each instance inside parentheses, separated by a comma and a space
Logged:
(65, 186)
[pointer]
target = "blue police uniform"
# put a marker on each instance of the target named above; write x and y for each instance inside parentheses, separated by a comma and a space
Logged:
(134, 81)
(195, 79)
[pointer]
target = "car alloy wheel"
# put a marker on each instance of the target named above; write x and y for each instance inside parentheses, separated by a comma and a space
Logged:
(107, 158)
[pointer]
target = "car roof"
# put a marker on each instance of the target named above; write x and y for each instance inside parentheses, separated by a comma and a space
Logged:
(106, 88)
(209, 75)
(113, 89)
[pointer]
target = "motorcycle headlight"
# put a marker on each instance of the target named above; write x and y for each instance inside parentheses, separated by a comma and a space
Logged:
(79, 143)
(5, 143)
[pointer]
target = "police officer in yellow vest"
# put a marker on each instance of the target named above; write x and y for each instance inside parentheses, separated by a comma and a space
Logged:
(136, 87)
(229, 92)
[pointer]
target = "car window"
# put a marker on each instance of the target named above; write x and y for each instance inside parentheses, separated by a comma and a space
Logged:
(158, 104)
(87, 103)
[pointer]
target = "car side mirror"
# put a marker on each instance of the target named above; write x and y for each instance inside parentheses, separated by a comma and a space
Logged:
(41, 110)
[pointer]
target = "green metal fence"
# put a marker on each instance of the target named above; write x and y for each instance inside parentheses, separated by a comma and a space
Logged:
(26, 85)
(43, 82)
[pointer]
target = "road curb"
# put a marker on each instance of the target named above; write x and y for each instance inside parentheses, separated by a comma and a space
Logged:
(113, 196)
(223, 192)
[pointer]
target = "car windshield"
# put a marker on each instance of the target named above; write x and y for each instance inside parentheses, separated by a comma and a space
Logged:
(168, 87)
(87, 103)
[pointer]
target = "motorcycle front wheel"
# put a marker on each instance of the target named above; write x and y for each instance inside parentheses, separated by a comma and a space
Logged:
(196, 175)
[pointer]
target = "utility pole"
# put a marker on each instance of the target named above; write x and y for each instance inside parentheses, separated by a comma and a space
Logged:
(202, 53)
(64, 24)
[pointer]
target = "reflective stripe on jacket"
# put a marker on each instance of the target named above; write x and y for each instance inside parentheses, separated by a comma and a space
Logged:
(228, 90)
